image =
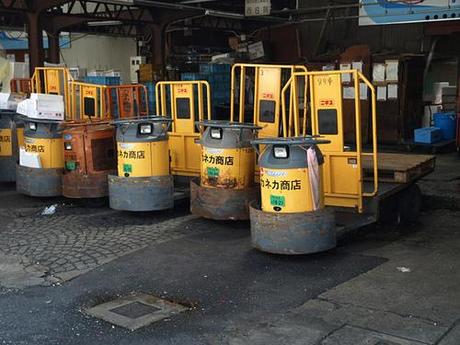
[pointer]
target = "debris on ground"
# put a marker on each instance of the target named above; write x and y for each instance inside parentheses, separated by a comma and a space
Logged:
(50, 210)
(403, 269)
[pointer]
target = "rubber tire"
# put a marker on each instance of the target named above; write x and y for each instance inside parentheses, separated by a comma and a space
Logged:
(410, 205)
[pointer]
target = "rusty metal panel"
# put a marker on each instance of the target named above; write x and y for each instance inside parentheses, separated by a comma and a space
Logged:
(102, 151)
(221, 204)
(125, 101)
(21, 85)
(77, 186)
(38, 182)
(293, 233)
(89, 158)
(152, 193)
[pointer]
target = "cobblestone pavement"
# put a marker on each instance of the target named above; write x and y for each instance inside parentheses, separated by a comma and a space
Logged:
(77, 239)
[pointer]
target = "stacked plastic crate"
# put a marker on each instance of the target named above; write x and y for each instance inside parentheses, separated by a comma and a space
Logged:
(102, 80)
(150, 85)
(218, 76)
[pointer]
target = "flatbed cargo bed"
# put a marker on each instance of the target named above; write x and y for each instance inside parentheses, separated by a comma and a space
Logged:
(397, 174)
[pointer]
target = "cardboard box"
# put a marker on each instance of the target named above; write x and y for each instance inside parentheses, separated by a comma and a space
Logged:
(41, 106)
(146, 73)
(257, 50)
(233, 42)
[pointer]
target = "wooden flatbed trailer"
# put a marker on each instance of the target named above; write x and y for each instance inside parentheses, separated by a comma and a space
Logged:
(398, 193)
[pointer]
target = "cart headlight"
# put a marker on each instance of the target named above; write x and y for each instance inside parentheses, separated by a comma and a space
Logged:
(145, 128)
(281, 151)
(216, 133)
(68, 146)
(32, 126)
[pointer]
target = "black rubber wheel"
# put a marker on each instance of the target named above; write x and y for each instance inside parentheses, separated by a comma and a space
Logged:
(389, 211)
(410, 205)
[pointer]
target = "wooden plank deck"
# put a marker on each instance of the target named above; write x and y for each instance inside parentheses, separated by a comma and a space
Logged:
(399, 168)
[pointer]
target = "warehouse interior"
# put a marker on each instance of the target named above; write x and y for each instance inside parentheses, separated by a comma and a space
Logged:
(229, 172)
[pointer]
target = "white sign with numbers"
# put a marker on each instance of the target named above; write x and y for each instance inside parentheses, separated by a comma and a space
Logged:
(257, 7)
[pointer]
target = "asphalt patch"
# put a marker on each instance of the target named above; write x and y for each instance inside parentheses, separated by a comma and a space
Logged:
(218, 272)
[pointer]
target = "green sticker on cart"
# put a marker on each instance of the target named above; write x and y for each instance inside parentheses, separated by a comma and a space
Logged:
(70, 165)
(277, 200)
(213, 172)
(127, 168)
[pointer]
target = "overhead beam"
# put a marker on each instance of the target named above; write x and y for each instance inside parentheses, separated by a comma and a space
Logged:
(41, 5)
(138, 16)
(14, 5)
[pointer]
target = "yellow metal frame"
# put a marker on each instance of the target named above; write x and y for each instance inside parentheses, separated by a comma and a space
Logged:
(332, 151)
(185, 152)
(241, 69)
(78, 92)
(53, 80)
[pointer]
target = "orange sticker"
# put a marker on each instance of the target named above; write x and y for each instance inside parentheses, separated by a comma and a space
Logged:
(89, 92)
(326, 102)
(182, 90)
(267, 95)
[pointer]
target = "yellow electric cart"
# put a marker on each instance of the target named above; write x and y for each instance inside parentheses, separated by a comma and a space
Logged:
(43, 141)
(226, 184)
(291, 217)
(223, 191)
(144, 181)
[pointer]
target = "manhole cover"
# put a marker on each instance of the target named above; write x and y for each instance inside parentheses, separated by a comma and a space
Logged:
(135, 311)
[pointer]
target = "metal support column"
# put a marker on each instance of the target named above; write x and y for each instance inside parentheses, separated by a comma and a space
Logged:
(158, 47)
(34, 32)
(53, 47)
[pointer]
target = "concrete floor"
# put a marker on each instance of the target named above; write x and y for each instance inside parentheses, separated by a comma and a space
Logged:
(383, 286)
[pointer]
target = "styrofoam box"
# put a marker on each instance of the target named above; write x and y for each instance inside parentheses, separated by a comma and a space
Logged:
(437, 91)
(10, 101)
(449, 91)
(41, 106)
(95, 73)
(112, 73)
(378, 72)
(77, 72)
(4, 97)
